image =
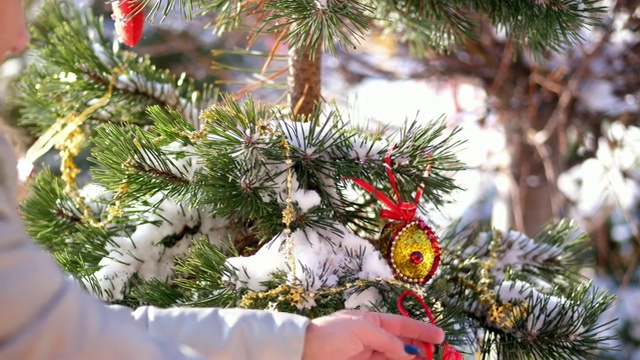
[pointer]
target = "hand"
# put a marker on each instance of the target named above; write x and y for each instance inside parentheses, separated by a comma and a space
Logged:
(361, 335)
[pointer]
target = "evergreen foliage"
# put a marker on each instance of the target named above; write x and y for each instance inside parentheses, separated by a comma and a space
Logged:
(76, 65)
(425, 24)
(185, 206)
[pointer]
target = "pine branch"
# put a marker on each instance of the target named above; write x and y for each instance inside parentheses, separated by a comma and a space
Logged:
(314, 25)
(55, 221)
(237, 151)
(425, 24)
(244, 167)
(542, 25)
(158, 293)
(203, 275)
(171, 127)
(413, 144)
(49, 212)
(524, 296)
(162, 8)
(75, 64)
(132, 158)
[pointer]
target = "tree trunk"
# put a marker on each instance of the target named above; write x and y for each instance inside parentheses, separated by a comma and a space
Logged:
(532, 196)
(532, 167)
(304, 80)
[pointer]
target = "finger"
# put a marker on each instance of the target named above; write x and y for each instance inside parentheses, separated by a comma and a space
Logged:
(371, 355)
(366, 354)
(409, 328)
(378, 356)
(417, 343)
(378, 340)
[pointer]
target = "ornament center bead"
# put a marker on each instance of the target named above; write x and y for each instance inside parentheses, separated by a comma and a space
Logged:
(416, 257)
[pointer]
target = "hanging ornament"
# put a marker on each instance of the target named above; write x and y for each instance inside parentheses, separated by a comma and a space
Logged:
(129, 18)
(407, 243)
(448, 351)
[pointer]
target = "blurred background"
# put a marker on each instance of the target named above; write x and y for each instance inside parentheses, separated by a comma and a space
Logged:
(555, 137)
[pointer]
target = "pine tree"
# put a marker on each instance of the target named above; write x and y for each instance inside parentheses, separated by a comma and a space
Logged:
(199, 198)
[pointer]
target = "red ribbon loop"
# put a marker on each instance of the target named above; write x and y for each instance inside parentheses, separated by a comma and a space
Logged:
(415, 295)
(448, 351)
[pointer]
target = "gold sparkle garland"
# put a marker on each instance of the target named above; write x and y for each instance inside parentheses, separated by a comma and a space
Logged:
(505, 315)
(66, 135)
(65, 128)
(69, 149)
(298, 296)
(289, 212)
(291, 292)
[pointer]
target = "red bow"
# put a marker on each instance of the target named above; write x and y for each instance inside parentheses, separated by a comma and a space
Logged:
(399, 210)
(448, 351)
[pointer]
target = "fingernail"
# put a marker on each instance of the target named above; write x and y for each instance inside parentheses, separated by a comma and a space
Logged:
(412, 350)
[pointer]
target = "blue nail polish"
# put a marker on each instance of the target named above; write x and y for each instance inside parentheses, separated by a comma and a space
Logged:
(410, 349)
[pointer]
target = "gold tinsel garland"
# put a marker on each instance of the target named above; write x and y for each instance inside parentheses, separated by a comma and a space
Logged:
(289, 212)
(66, 136)
(505, 315)
(297, 295)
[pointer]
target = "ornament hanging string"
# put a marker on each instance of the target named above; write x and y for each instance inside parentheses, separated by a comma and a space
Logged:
(448, 352)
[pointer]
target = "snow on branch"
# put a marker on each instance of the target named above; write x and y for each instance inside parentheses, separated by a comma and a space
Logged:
(545, 311)
(163, 92)
(163, 233)
(323, 259)
(512, 250)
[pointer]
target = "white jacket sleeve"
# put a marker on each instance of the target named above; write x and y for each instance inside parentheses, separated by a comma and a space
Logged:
(45, 316)
(228, 334)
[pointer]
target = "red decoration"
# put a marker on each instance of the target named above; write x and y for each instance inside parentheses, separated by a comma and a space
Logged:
(416, 257)
(448, 351)
(400, 210)
(129, 18)
(408, 244)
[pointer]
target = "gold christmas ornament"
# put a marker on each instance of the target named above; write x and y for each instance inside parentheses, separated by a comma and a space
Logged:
(411, 249)
(408, 244)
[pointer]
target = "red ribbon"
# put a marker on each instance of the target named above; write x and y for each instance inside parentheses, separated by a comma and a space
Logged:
(397, 210)
(448, 351)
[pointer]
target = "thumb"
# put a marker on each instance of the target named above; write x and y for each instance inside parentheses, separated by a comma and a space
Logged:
(378, 340)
